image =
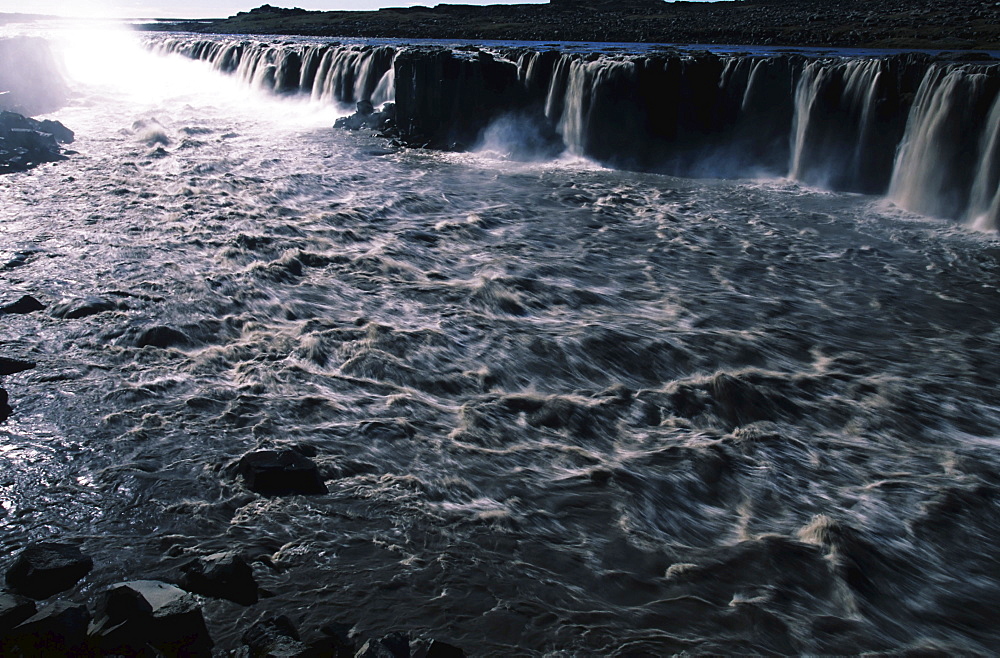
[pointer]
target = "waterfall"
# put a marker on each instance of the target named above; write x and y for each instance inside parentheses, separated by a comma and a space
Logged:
(835, 139)
(327, 73)
(945, 152)
(925, 133)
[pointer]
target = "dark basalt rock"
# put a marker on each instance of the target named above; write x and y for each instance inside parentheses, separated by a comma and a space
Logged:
(394, 645)
(26, 143)
(135, 616)
(367, 118)
(273, 473)
(221, 576)
(82, 308)
(26, 304)
(12, 366)
(58, 629)
(161, 336)
(5, 410)
(13, 610)
(47, 568)
(274, 637)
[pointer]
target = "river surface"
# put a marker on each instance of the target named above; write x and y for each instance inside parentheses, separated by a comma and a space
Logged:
(560, 409)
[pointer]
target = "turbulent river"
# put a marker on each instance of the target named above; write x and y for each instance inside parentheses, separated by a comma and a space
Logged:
(560, 409)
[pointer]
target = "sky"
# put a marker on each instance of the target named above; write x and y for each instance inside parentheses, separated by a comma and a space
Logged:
(208, 8)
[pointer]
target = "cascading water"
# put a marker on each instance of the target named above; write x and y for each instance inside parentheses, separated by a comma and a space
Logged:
(556, 408)
(946, 147)
(839, 123)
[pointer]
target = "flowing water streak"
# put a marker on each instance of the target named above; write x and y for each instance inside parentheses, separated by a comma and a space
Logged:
(342, 74)
(834, 105)
(941, 155)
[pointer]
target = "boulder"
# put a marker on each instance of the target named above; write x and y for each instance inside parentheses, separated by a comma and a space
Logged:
(277, 473)
(13, 610)
(161, 336)
(25, 143)
(81, 308)
(136, 615)
(367, 118)
(274, 637)
(5, 410)
(12, 366)
(26, 304)
(394, 645)
(47, 568)
(58, 629)
(221, 576)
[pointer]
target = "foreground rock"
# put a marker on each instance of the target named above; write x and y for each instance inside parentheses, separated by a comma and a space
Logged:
(274, 636)
(148, 616)
(47, 568)
(5, 409)
(13, 366)
(58, 629)
(13, 610)
(26, 304)
(26, 143)
(221, 576)
(274, 473)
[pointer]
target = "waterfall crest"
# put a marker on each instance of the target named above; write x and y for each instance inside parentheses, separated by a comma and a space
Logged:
(924, 133)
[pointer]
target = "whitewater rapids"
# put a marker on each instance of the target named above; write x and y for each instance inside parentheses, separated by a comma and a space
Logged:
(560, 409)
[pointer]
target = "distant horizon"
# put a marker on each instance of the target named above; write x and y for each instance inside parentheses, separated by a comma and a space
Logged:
(194, 9)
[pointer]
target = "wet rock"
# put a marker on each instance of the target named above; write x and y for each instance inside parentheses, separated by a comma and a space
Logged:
(366, 117)
(142, 614)
(161, 336)
(58, 629)
(5, 410)
(274, 473)
(13, 610)
(221, 576)
(26, 304)
(394, 645)
(274, 637)
(82, 308)
(24, 143)
(12, 366)
(337, 642)
(47, 568)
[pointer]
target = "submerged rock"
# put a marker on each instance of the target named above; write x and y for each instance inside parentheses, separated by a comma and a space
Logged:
(147, 613)
(26, 304)
(82, 308)
(221, 576)
(274, 473)
(47, 568)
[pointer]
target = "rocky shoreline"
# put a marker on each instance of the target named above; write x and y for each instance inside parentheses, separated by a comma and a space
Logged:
(924, 24)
